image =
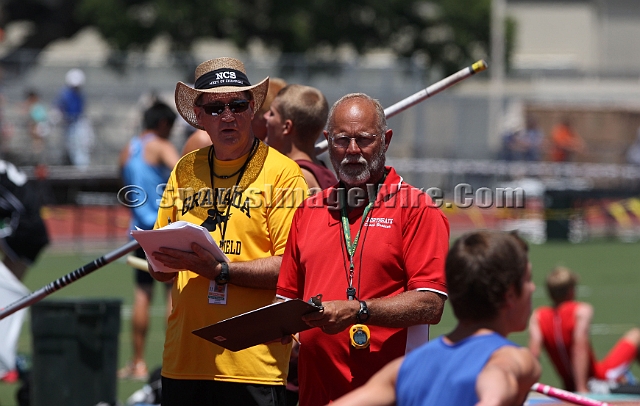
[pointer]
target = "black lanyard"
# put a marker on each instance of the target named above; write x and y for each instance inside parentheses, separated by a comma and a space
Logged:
(214, 191)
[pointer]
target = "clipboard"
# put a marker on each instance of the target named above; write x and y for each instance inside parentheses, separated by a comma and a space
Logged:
(258, 326)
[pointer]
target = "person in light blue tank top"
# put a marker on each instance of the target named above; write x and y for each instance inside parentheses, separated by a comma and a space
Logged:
(146, 165)
(490, 287)
(150, 178)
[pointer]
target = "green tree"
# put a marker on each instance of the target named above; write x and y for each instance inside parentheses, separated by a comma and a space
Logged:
(50, 20)
(443, 34)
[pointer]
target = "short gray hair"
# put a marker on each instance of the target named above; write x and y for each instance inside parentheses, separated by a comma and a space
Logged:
(382, 120)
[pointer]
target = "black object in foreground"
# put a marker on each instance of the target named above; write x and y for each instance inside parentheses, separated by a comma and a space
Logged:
(259, 326)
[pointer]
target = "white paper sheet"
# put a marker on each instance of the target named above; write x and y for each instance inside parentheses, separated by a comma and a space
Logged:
(178, 235)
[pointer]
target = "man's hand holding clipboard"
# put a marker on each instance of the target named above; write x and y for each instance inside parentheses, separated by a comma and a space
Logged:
(268, 323)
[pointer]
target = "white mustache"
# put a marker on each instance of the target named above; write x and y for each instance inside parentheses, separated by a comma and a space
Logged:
(352, 159)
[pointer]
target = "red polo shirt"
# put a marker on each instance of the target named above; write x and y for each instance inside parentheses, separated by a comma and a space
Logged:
(402, 246)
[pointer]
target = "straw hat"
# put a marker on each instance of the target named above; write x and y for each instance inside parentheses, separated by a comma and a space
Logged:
(220, 75)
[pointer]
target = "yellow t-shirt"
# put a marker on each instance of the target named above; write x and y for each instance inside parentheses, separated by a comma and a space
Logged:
(257, 226)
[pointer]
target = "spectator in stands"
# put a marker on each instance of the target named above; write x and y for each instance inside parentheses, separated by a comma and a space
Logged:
(37, 123)
(523, 144)
(147, 163)
(513, 145)
(532, 139)
(633, 153)
(78, 131)
(565, 142)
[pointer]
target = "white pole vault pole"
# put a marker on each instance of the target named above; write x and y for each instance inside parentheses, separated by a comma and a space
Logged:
(566, 395)
(423, 94)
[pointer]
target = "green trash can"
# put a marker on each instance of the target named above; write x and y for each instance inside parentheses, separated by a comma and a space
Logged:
(75, 352)
(558, 205)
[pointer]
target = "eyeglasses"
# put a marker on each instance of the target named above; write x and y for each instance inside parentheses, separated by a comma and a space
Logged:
(217, 108)
(363, 141)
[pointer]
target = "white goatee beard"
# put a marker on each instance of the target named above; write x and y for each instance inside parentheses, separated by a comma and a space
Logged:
(353, 175)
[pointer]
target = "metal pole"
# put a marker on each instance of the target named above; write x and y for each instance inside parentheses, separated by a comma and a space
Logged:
(422, 95)
(498, 16)
(67, 279)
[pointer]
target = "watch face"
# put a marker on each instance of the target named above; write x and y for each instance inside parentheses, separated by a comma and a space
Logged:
(360, 337)
(363, 314)
(222, 278)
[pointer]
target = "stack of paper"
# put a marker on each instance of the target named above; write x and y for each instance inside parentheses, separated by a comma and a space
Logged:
(178, 235)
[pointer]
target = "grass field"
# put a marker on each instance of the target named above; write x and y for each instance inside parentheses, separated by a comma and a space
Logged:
(609, 280)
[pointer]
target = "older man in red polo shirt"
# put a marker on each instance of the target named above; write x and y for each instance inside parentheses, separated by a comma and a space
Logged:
(374, 247)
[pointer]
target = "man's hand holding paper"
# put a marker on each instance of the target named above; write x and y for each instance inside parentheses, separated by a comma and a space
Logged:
(181, 245)
(199, 261)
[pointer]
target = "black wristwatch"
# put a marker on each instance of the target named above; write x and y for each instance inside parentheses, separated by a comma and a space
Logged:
(223, 276)
(363, 314)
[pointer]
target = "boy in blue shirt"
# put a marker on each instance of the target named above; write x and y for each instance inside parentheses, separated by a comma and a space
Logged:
(490, 287)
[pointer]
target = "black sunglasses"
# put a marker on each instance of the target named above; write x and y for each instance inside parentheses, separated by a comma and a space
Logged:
(217, 108)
